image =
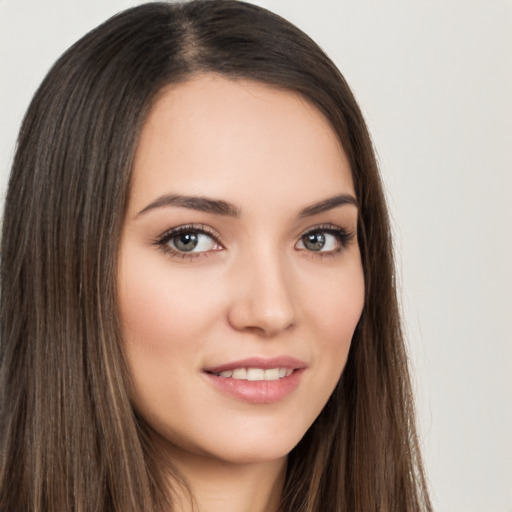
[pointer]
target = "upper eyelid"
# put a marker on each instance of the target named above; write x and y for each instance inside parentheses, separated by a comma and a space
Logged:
(344, 234)
(331, 229)
(198, 228)
(324, 227)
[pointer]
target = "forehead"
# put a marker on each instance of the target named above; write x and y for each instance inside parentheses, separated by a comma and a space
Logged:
(237, 139)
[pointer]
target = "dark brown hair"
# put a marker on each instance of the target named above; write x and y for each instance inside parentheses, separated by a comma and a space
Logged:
(69, 438)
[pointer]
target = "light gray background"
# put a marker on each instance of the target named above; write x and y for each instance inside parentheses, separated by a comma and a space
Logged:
(434, 79)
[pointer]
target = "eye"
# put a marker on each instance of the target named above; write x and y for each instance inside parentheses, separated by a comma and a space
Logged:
(188, 240)
(318, 241)
(325, 240)
(192, 241)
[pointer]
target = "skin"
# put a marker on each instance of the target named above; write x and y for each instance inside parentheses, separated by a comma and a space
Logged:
(254, 289)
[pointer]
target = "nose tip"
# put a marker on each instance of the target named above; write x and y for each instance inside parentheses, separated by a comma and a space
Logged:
(264, 323)
(263, 303)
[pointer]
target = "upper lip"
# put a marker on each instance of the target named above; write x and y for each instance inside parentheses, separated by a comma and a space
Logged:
(264, 363)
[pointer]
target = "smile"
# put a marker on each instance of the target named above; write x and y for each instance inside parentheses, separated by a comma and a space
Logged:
(257, 380)
(256, 374)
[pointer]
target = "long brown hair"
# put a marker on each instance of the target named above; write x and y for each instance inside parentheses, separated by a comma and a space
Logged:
(69, 437)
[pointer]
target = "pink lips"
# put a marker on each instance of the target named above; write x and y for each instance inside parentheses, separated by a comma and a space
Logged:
(260, 391)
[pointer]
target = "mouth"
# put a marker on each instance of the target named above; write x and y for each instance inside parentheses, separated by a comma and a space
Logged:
(255, 374)
(257, 380)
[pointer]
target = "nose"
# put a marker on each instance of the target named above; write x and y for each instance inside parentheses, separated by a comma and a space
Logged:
(262, 297)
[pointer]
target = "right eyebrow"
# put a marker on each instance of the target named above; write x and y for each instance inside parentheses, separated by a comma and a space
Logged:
(200, 203)
(328, 204)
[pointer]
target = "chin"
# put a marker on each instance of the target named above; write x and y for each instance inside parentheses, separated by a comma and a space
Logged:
(257, 452)
(238, 446)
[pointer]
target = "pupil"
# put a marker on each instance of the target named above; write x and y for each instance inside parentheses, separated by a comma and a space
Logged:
(314, 241)
(186, 241)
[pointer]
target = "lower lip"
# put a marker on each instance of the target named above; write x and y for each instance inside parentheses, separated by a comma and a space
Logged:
(260, 391)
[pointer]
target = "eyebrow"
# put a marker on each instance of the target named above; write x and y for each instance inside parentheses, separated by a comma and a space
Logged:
(202, 204)
(219, 207)
(328, 204)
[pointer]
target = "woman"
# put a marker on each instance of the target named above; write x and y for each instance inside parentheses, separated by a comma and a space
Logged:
(198, 303)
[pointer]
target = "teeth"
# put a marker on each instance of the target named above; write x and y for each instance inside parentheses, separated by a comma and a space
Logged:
(240, 374)
(257, 374)
(272, 374)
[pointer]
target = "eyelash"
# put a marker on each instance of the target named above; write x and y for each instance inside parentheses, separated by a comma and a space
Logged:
(343, 237)
(163, 241)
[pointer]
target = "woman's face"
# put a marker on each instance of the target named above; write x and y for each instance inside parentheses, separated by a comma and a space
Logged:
(240, 278)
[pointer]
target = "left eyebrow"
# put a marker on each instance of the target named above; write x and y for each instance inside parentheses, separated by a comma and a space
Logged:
(328, 204)
(200, 203)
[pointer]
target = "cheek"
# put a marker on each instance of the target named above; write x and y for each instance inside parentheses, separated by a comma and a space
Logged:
(145, 310)
(165, 317)
(335, 312)
(336, 302)
(161, 310)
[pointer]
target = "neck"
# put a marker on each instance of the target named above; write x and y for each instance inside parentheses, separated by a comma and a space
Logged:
(218, 486)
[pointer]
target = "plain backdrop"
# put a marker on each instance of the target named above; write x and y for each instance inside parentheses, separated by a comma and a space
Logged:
(434, 79)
